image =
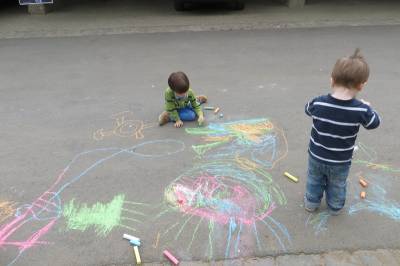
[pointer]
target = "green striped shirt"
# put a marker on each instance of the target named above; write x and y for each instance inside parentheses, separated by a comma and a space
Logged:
(172, 104)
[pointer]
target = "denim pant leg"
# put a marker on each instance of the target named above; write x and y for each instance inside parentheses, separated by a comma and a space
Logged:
(316, 182)
(336, 187)
(187, 114)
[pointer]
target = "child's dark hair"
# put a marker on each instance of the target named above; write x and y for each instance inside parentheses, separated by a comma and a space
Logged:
(178, 82)
(351, 71)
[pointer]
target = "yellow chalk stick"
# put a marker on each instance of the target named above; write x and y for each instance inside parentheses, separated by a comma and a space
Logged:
(293, 178)
(216, 110)
(137, 255)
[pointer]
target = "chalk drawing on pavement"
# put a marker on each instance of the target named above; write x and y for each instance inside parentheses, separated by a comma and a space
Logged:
(229, 191)
(318, 221)
(377, 200)
(103, 217)
(125, 126)
(7, 209)
(46, 210)
(258, 139)
(369, 158)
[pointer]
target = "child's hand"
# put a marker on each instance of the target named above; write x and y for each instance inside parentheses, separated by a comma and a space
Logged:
(178, 123)
(200, 120)
(365, 102)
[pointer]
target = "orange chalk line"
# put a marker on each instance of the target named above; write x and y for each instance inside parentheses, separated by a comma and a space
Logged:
(122, 120)
(155, 245)
(6, 210)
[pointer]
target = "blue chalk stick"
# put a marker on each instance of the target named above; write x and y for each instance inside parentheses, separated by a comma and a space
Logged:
(135, 242)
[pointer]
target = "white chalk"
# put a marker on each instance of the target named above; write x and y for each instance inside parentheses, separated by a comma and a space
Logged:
(129, 237)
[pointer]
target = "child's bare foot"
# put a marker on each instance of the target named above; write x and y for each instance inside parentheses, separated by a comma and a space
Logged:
(163, 118)
(201, 99)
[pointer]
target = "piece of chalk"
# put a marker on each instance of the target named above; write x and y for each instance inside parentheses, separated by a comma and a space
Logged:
(209, 108)
(135, 242)
(216, 110)
(137, 255)
(363, 182)
(129, 237)
(221, 115)
(293, 178)
(170, 257)
(363, 194)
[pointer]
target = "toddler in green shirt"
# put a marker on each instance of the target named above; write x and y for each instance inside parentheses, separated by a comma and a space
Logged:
(181, 104)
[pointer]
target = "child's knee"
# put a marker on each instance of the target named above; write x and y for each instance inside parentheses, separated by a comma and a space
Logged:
(336, 202)
(187, 115)
(192, 115)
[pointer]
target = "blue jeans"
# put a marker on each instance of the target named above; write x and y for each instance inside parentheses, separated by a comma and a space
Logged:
(329, 178)
(186, 114)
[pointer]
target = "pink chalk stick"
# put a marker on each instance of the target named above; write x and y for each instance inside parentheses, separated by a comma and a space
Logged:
(170, 257)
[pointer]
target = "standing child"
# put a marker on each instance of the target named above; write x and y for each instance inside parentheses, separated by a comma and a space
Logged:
(336, 120)
(181, 104)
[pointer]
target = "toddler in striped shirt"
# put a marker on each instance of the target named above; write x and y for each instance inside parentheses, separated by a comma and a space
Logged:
(336, 121)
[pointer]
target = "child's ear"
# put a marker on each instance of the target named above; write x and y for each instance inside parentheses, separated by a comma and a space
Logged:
(332, 82)
(361, 86)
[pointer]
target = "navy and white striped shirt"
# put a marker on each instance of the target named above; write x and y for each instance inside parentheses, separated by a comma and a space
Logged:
(335, 127)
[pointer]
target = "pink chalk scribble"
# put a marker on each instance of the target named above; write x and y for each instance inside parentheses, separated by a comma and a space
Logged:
(46, 209)
(234, 195)
(208, 197)
(44, 212)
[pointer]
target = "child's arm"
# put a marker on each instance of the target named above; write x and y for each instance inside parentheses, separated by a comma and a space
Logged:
(170, 107)
(309, 107)
(195, 105)
(370, 119)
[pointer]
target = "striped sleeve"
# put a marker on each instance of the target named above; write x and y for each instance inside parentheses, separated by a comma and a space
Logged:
(170, 105)
(195, 105)
(370, 119)
(309, 108)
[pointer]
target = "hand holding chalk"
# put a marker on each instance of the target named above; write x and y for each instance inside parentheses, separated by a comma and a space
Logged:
(200, 120)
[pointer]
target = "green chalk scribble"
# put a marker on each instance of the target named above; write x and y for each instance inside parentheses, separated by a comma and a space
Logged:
(203, 148)
(103, 217)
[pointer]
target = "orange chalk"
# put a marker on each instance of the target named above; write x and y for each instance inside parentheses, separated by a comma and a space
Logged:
(363, 194)
(363, 182)
(216, 110)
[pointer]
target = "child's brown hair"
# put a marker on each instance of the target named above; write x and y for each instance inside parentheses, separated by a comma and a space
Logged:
(351, 71)
(178, 82)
